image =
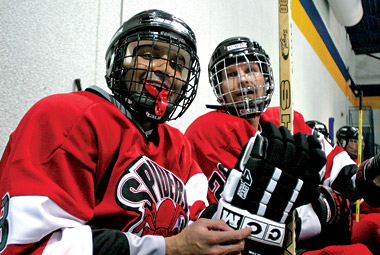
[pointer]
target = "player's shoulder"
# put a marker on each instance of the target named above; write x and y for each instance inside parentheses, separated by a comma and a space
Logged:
(72, 103)
(67, 108)
(79, 99)
(273, 114)
(212, 120)
(337, 149)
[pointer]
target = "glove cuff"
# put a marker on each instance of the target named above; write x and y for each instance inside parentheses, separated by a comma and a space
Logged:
(264, 230)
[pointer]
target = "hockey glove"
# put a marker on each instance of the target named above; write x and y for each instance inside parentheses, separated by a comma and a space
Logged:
(335, 216)
(275, 173)
(344, 182)
(368, 181)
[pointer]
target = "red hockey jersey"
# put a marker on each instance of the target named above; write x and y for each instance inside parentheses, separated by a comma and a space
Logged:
(75, 161)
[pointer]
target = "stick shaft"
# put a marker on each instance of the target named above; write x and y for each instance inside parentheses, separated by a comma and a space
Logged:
(285, 47)
(286, 103)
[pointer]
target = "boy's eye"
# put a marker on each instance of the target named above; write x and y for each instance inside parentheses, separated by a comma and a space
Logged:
(147, 55)
(232, 74)
(175, 65)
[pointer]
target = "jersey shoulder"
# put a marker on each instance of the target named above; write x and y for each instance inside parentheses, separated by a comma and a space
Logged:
(273, 114)
(214, 123)
(63, 106)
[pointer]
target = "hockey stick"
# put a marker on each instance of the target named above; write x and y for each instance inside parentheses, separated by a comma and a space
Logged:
(360, 140)
(286, 103)
(285, 37)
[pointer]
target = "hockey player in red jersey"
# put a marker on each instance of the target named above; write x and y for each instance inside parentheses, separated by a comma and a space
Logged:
(241, 77)
(347, 137)
(93, 173)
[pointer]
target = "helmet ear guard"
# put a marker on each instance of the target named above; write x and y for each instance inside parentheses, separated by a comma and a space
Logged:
(153, 35)
(343, 143)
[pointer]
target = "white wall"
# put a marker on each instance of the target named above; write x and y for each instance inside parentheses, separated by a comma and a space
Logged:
(45, 45)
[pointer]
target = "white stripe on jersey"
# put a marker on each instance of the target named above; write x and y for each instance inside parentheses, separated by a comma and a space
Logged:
(196, 189)
(33, 217)
(65, 241)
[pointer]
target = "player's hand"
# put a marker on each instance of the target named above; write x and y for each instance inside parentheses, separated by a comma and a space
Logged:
(368, 181)
(275, 173)
(332, 207)
(206, 236)
(335, 216)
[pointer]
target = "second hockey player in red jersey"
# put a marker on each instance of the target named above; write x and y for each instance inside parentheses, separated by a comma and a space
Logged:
(241, 77)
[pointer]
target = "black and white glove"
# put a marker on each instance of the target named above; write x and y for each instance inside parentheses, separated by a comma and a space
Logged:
(368, 181)
(275, 173)
(335, 216)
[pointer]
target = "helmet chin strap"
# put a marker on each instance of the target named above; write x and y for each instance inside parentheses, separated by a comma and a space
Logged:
(161, 98)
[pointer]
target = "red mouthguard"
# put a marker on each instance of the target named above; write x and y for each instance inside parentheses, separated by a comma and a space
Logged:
(161, 101)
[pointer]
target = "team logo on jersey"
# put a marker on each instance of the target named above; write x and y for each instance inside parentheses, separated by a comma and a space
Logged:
(156, 197)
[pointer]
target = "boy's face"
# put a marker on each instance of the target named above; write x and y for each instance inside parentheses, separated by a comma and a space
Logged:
(156, 64)
(352, 147)
(242, 81)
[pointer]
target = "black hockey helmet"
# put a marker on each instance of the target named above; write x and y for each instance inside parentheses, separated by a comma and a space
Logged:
(319, 126)
(343, 137)
(240, 51)
(345, 133)
(150, 36)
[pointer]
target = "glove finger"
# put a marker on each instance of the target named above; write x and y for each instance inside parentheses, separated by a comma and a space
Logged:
(283, 197)
(289, 149)
(313, 142)
(275, 143)
(253, 149)
(317, 159)
(250, 193)
(253, 169)
(301, 162)
(223, 170)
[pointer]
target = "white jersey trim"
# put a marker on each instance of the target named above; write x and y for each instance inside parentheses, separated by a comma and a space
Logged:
(196, 189)
(149, 244)
(31, 218)
(340, 160)
(76, 240)
(310, 225)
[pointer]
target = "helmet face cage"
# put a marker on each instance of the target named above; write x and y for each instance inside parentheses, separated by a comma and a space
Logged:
(154, 71)
(241, 77)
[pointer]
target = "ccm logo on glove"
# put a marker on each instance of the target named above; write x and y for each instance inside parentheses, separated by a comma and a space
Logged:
(263, 230)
